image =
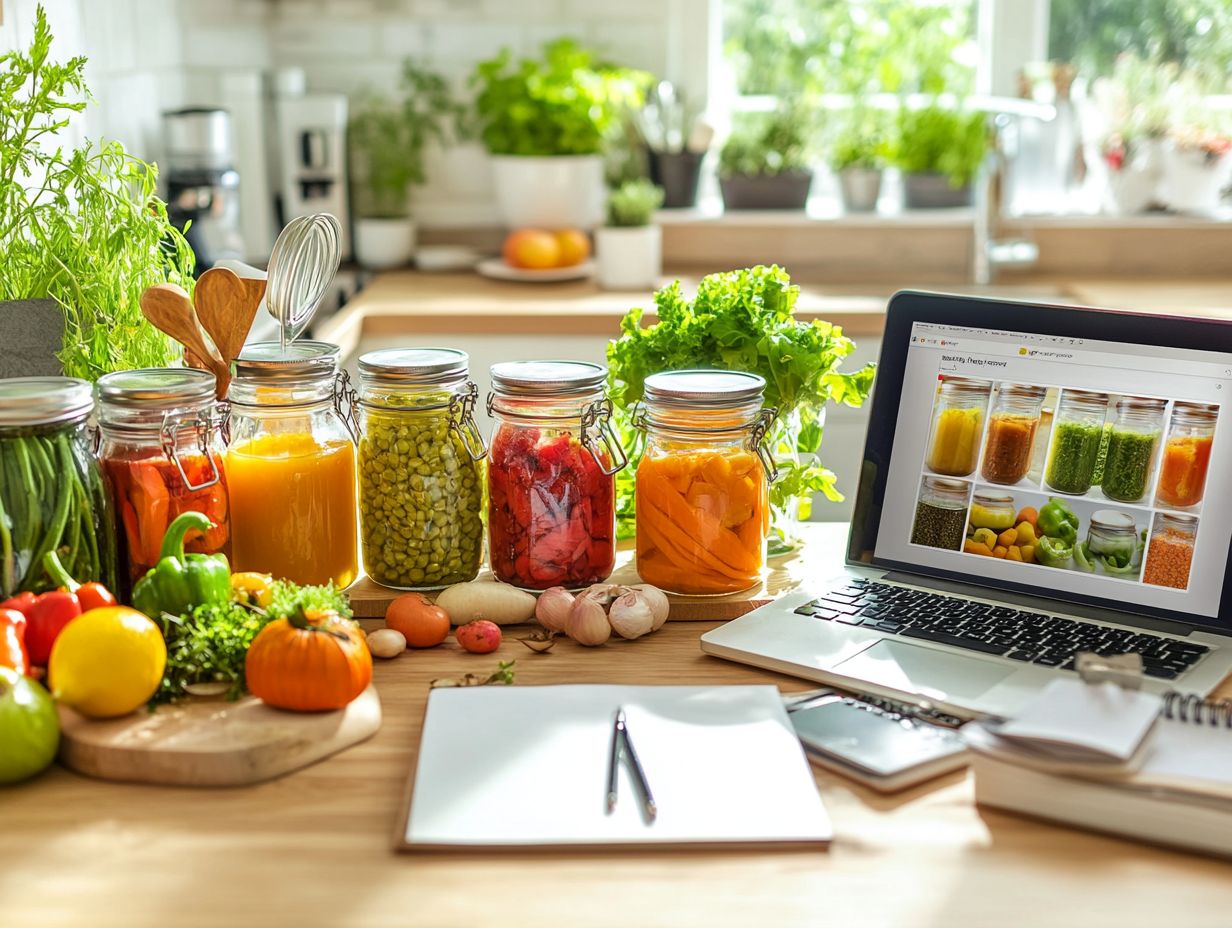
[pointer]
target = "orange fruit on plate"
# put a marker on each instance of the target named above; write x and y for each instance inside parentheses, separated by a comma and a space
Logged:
(422, 622)
(574, 246)
(532, 249)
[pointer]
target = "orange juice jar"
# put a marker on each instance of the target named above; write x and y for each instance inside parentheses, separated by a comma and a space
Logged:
(703, 482)
(291, 465)
(1187, 455)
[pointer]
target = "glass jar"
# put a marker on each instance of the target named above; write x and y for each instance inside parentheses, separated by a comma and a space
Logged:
(290, 464)
(1187, 455)
(1112, 540)
(958, 422)
(52, 496)
(703, 482)
(161, 452)
(1076, 437)
(992, 510)
(551, 475)
(1169, 556)
(1011, 432)
(420, 468)
(941, 513)
(1132, 442)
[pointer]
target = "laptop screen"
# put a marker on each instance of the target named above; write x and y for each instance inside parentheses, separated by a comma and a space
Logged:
(1085, 469)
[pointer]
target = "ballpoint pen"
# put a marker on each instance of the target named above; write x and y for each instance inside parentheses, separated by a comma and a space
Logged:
(622, 741)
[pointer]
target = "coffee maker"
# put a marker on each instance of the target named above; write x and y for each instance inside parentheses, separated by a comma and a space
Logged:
(202, 183)
(312, 153)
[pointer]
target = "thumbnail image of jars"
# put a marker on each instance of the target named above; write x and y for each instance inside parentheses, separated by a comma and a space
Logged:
(1012, 426)
(1187, 455)
(1111, 545)
(941, 513)
(1077, 433)
(1169, 554)
(957, 424)
(1132, 442)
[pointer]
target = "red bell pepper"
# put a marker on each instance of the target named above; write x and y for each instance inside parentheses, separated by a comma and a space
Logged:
(46, 615)
(89, 595)
(13, 641)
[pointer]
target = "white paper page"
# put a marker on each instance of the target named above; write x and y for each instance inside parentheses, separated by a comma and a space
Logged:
(527, 765)
(1102, 719)
(1190, 751)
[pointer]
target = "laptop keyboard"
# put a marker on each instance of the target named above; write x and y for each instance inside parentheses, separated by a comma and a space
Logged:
(1020, 635)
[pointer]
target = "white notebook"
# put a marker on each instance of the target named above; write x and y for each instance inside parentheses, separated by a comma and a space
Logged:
(527, 765)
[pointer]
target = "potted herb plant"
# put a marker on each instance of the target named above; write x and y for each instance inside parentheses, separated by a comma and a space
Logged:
(386, 141)
(629, 249)
(742, 320)
(766, 164)
(88, 238)
(1197, 166)
(544, 121)
(1131, 115)
(939, 152)
(857, 157)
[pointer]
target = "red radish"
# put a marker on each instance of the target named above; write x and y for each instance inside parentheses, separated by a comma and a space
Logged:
(479, 637)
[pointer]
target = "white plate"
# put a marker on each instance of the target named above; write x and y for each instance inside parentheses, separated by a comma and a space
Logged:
(497, 269)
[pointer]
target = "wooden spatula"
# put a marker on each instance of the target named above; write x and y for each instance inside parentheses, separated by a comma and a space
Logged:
(169, 310)
(226, 305)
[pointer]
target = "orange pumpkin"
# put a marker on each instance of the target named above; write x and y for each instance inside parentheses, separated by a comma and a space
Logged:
(312, 661)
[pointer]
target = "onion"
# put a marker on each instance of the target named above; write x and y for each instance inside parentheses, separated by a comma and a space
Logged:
(552, 609)
(631, 615)
(659, 604)
(587, 623)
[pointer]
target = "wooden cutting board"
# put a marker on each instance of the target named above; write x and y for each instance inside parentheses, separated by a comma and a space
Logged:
(818, 559)
(212, 742)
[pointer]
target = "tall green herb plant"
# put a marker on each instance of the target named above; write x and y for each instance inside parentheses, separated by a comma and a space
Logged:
(82, 226)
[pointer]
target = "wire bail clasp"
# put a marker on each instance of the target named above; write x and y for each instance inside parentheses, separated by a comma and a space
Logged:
(462, 421)
(169, 434)
(599, 439)
(346, 403)
(757, 441)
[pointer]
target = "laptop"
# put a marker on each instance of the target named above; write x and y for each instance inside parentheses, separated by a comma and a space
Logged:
(1037, 481)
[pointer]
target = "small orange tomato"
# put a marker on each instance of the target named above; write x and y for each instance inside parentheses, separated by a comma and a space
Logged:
(534, 249)
(422, 622)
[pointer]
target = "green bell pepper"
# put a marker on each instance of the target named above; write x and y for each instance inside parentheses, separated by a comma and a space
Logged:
(180, 582)
(1052, 552)
(1057, 520)
(1112, 567)
(1082, 557)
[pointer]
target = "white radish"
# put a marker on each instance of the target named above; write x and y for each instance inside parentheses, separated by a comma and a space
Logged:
(497, 602)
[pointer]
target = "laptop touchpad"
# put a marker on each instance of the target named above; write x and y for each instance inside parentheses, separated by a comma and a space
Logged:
(912, 669)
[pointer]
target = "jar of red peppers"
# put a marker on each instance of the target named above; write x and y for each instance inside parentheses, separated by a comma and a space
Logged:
(161, 452)
(551, 475)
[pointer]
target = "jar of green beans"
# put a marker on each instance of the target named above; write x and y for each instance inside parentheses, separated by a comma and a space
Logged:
(420, 468)
(1132, 442)
(51, 490)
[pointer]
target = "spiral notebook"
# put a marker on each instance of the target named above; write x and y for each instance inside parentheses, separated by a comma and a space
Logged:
(1173, 786)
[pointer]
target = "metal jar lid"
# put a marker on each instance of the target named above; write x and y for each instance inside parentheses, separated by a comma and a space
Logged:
(425, 366)
(156, 388)
(708, 389)
(547, 378)
(44, 400)
(300, 361)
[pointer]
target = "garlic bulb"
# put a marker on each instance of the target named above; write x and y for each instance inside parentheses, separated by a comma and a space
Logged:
(386, 642)
(631, 615)
(603, 593)
(659, 604)
(587, 623)
(552, 609)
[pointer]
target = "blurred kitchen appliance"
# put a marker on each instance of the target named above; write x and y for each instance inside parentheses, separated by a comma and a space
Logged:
(312, 156)
(203, 186)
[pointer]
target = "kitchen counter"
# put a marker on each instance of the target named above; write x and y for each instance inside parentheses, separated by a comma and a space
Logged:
(315, 848)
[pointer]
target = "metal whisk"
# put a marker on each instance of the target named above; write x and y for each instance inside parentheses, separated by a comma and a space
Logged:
(301, 267)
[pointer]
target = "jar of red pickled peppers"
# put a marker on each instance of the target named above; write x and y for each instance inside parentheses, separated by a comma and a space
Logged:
(161, 454)
(551, 475)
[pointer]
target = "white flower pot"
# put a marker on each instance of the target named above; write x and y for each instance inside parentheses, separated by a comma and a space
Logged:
(1132, 187)
(629, 258)
(384, 243)
(1191, 182)
(556, 192)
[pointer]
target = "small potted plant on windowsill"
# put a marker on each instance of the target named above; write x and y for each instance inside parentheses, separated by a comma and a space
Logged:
(386, 139)
(629, 249)
(544, 122)
(857, 157)
(1197, 166)
(768, 166)
(939, 152)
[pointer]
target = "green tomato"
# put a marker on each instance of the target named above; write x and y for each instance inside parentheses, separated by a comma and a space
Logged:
(29, 727)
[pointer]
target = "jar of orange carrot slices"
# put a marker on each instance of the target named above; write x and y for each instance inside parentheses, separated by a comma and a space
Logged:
(703, 481)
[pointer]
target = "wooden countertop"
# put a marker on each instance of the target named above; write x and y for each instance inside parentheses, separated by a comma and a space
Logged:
(410, 302)
(314, 848)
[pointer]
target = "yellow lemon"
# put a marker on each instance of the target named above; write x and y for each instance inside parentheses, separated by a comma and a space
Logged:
(107, 662)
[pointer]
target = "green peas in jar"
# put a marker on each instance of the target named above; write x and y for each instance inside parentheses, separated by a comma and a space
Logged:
(421, 475)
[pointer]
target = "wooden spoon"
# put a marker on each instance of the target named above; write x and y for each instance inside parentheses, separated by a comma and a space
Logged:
(169, 310)
(226, 308)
